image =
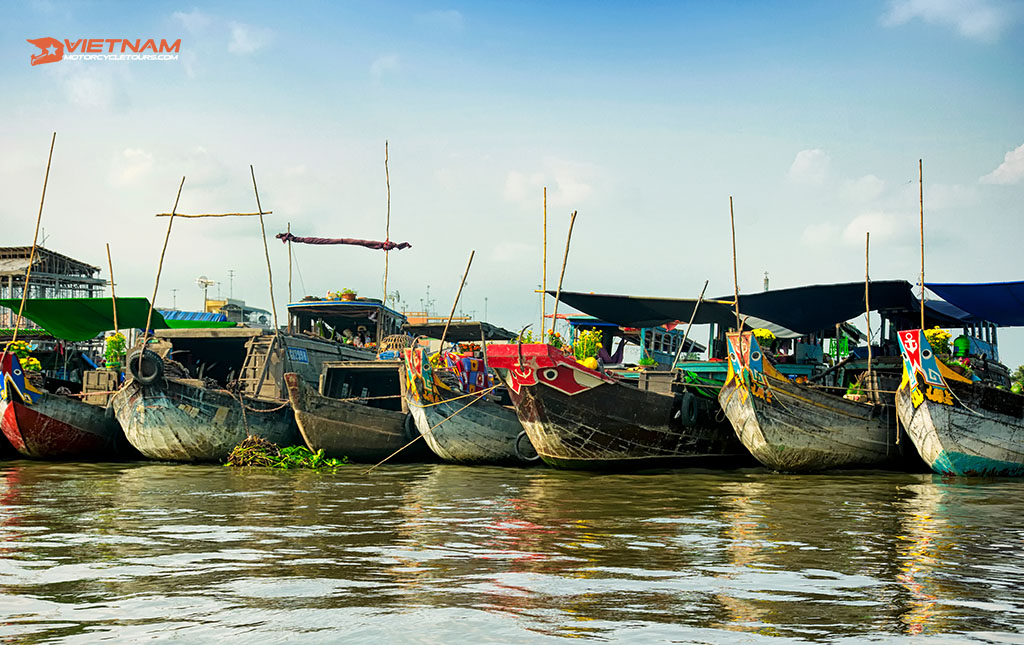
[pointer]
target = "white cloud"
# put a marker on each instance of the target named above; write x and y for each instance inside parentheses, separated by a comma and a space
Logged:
(863, 189)
(883, 226)
(981, 20)
(247, 39)
(1011, 171)
(449, 19)
(569, 184)
(512, 251)
(521, 187)
(386, 63)
(131, 165)
(822, 234)
(202, 169)
(810, 166)
(194, 21)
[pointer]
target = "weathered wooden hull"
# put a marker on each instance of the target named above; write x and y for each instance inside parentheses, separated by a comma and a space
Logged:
(483, 433)
(966, 441)
(802, 430)
(617, 427)
(348, 429)
(177, 421)
(57, 427)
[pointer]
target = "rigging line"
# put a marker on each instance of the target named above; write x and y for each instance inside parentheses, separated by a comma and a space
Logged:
(298, 269)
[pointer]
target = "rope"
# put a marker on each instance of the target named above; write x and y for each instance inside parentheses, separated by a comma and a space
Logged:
(422, 434)
(456, 398)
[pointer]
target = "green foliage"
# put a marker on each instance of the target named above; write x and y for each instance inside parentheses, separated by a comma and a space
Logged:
(257, 452)
(647, 361)
(1018, 376)
(28, 362)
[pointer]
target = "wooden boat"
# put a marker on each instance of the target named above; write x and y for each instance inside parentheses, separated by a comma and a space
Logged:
(795, 427)
(959, 426)
(180, 419)
(583, 419)
(42, 425)
(224, 384)
(458, 425)
(350, 417)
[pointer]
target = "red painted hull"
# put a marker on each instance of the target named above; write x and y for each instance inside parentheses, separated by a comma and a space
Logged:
(60, 428)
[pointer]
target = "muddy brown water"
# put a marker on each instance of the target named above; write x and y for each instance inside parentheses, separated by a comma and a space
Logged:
(442, 553)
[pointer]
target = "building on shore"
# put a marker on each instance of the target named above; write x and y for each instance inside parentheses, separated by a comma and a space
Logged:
(54, 275)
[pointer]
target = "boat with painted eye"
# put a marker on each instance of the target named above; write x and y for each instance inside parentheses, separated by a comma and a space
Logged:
(963, 417)
(460, 417)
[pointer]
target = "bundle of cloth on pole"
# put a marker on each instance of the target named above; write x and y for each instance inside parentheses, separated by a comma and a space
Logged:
(386, 245)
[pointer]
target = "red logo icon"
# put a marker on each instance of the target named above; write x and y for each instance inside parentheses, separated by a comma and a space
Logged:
(52, 50)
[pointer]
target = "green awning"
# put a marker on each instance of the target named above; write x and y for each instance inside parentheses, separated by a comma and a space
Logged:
(77, 319)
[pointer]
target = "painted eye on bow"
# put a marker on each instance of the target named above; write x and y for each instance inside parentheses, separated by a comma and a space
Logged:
(17, 372)
(926, 354)
(550, 374)
(756, 356)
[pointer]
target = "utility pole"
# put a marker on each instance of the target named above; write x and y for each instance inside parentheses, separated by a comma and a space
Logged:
(231, 283)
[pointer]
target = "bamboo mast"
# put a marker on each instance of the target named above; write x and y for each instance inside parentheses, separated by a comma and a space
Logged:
(444, 334)
(289, 274)
(693, 315)
(544, 271)
(387, 238)
(35, 238)
(565, 258)
(113, 294)
(736, 284)
(920, 184)
(266, 250)
(160, 268)
(867, 291)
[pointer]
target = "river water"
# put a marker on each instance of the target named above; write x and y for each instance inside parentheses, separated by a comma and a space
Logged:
(442, 553)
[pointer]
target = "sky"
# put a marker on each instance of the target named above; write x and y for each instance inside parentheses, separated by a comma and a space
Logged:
(644, 118)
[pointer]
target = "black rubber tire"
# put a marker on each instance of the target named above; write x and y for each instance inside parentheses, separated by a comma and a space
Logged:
(519, 451)
(688, 410)
(145, 366)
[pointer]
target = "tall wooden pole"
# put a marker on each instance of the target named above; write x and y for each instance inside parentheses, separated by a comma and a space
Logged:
(35, 238)
(266, 250)
(735, 278)
(565, 258)
(455, 304)
(920, 183)
(544, 269)
(387, 238)
(160, 268)
(689, 326)
(289, 274)
(113, 294)
(867, 291)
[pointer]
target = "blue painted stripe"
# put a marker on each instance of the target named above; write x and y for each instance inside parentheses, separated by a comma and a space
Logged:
(959, 463)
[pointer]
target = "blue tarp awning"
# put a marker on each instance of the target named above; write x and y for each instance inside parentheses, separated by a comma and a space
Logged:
(204, 316)
(1001, 303)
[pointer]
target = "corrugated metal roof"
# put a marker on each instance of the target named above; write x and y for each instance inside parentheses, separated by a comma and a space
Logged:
(13, 266)
(174, 314)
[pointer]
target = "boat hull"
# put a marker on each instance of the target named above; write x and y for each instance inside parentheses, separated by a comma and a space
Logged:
(459, 428)
(581, 419)
(959, 427)
(56, 427)
(794, 428)
(174, 420)
(348, 429)
(483, 433)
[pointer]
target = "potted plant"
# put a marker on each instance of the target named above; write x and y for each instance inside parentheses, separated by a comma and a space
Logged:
(114, 351)
(347, 294)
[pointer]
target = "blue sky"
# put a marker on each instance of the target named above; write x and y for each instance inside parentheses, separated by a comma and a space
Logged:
(644, 118)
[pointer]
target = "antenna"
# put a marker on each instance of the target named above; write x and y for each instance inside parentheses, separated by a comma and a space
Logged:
(231, 283)
(204, 283)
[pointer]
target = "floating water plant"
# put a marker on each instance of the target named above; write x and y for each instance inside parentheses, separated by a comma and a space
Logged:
(254, 451)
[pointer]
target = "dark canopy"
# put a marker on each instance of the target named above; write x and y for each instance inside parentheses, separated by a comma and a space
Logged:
(460, 332)
(1001, 303)
(76, 319)
(800, 310)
